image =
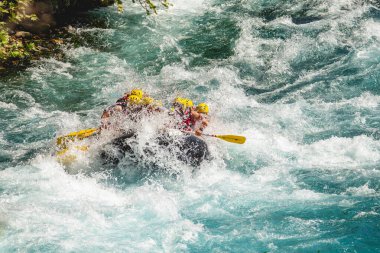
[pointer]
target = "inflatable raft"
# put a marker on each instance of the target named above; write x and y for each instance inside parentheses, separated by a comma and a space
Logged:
(184, 147)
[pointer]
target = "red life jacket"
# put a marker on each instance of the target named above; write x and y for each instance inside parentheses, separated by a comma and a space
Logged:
(183, 117)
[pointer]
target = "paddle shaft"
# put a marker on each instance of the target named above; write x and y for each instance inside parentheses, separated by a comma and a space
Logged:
(210, 135)
(229, 138)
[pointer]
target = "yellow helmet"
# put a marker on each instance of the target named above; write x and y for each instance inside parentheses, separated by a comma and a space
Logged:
(178, 100)
(202, 108)
(137, 92)
(187, 102)
(147, 100)
(134, 100)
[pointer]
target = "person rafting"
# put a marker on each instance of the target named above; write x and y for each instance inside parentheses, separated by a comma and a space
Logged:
(199, 118)
(135, 92)
(133, 105)
(146, 101)
(181, 111)
(189, 118)
(130, 107)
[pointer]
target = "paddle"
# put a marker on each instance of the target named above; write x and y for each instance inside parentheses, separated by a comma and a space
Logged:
(61, 140)
(91, 131)
(230, 138)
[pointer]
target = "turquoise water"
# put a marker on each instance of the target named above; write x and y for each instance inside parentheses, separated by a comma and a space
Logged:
(299, 79)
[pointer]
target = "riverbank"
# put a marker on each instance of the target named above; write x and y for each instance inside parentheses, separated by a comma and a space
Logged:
(31, 29)
(31, 47)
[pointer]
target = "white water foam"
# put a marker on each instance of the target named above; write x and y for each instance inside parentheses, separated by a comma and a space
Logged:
(363, 190)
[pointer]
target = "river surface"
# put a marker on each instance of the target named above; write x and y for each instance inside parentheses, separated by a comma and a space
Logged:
(299, 78)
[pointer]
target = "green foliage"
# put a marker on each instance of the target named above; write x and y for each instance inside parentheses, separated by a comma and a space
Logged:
(4, 37)
(150, 6)
(31, 46)
(12, 48)
(13, 11)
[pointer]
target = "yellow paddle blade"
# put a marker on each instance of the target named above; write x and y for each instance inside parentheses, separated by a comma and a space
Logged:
(82, 133)
(62, 140)
(232, 138)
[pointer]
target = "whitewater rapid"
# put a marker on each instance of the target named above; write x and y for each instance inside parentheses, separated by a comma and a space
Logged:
(299, 79)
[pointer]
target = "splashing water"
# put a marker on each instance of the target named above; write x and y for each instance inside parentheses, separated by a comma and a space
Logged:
(300, 79)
